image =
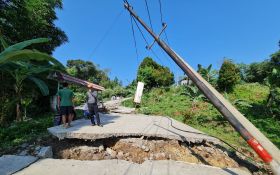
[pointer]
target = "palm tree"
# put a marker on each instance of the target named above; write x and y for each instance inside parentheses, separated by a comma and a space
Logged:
(22, 64)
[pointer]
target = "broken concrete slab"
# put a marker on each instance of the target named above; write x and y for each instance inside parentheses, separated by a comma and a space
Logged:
(45, 152)
(120, 125)
(10, 164)
(121, 167)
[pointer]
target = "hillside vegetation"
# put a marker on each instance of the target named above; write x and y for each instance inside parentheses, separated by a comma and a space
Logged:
(190, 107)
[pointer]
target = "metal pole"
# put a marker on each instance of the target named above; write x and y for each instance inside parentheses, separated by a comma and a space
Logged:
(235, 118)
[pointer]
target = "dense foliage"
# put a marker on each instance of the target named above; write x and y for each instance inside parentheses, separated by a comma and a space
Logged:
(274, 81)
(154, 75)
(28, 19)
(23, 66)
(229, 76)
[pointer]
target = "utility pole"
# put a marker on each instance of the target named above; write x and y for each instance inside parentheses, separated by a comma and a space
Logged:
(266, 150)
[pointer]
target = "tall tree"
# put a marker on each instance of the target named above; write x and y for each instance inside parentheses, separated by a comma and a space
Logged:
(229, 75)
(258, 72)
(28, 19)
(153, 74)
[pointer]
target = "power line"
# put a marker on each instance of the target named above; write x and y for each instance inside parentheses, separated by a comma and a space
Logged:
(135, 45)
(147, 7)
(106, 34)
(161, 18)
(193, 132)
(143, 36)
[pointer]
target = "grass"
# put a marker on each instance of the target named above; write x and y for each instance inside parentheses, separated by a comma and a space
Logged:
(26, 131)
(203, 116)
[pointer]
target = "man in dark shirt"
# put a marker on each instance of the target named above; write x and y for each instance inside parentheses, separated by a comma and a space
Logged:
(66, 105)
(93, 107)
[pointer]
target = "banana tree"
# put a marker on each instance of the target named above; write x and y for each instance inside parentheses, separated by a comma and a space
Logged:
(207, 73)
(19, 63)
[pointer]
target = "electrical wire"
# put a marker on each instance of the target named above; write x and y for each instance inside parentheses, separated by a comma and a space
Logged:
(134, 39)
(147, 7)
(171, 124)
(143, 36)
(106, 34)
(161, 18)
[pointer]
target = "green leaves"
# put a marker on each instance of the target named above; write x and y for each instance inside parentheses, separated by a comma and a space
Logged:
(26, 19)
(3, 42)
(229, 75)
(154, 75)
(27, 55)
(22, 45)
(41, 85)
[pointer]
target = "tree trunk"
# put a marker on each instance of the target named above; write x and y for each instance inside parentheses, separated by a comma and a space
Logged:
(19, 115)
(18, 88)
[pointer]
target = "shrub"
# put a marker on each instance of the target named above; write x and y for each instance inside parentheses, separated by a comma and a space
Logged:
(229, 76)
(154, 75)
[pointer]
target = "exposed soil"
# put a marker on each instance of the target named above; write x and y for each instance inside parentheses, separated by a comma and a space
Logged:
(138, 150)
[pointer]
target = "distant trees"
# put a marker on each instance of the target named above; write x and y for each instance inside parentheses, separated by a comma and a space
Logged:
(87, 70)
(154, 75)
(28, 19)
(229, 75)
(258, 72)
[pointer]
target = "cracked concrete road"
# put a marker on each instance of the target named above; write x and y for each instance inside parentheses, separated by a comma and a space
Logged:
(116, 125)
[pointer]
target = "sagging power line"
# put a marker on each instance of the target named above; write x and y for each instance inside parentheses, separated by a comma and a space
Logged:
(106, 34)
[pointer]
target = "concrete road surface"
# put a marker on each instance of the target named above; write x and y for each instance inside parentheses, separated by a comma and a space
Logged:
(121, 167)
(115, 125)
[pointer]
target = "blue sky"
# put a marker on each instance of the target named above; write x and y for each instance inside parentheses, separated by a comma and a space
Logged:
(200, 31)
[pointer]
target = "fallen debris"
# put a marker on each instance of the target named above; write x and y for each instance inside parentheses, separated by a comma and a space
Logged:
(45, 152)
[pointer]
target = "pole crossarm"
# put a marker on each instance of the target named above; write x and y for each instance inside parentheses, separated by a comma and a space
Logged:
(162, 30)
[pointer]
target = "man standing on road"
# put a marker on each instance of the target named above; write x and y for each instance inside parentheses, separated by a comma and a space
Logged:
(66, 105)
(93, 107)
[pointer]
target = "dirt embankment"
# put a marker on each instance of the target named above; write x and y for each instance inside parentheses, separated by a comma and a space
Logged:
(138, 150)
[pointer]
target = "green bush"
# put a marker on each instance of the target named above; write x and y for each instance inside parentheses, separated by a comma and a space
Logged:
(229, 76)
(274, 102)
(79, 98)
(154, 75)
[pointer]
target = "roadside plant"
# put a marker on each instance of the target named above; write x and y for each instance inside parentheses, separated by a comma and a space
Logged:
(24, 65)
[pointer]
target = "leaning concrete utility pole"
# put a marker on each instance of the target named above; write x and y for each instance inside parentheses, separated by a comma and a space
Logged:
(269, 153)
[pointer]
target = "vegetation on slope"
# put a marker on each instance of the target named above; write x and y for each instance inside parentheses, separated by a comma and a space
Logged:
(249, 98)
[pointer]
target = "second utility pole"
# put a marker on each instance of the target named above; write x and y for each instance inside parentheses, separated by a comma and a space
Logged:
(244, 127)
